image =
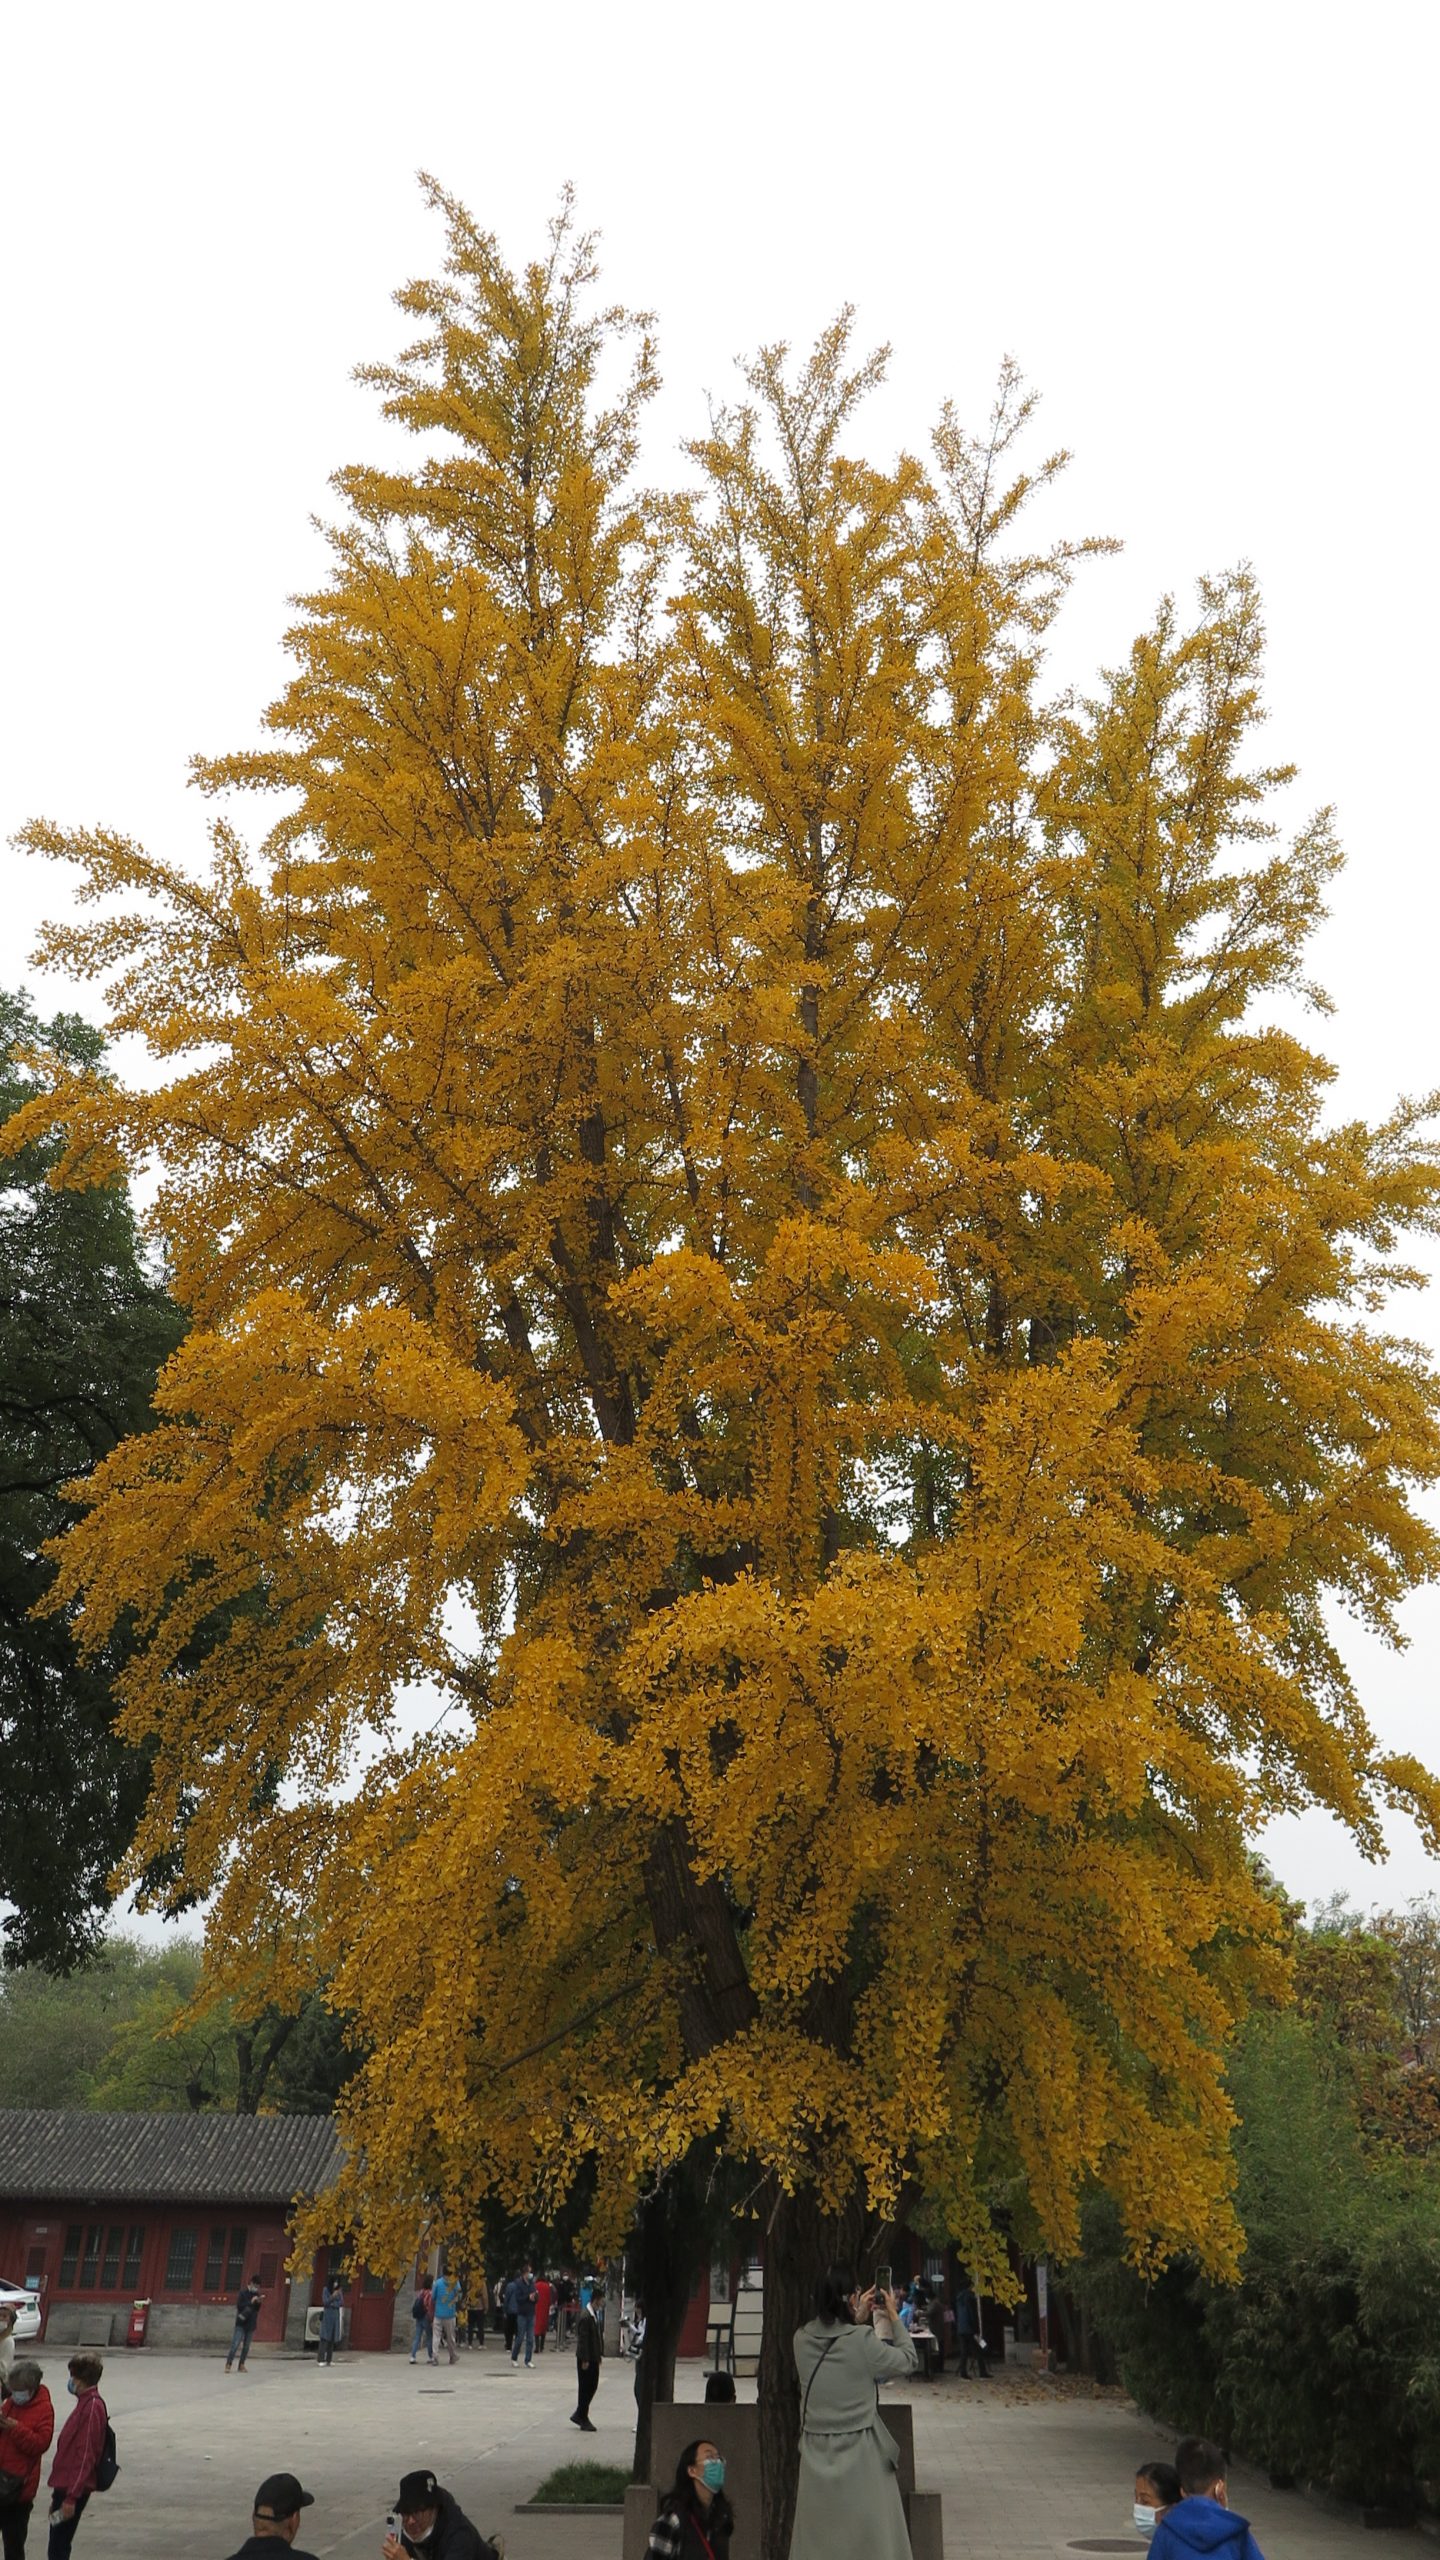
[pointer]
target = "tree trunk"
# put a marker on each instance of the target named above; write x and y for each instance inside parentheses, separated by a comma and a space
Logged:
(255, 2061)
(668, 2235)
(801, 2241)
(614, 2297)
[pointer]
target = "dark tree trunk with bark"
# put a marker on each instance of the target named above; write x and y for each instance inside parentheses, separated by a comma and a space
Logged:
(257, 2050)
(670, 2236)
(801, 2241)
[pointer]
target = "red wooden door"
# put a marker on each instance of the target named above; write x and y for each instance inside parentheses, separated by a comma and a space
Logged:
(41, 2243)
(265, 2258)
(372, 2314)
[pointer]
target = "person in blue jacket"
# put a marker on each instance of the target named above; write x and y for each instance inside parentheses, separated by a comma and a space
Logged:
(1203, 2525)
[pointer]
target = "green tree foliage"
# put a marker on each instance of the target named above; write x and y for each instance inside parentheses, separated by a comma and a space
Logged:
(1321, 2363)
(130, 2029)
(83, 1330)
(59, 2037)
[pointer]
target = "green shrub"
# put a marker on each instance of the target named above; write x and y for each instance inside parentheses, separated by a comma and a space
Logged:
(1323, 2363)
(584, 2484)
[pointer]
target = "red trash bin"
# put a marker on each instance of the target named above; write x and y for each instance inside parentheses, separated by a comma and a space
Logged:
(139, 2322)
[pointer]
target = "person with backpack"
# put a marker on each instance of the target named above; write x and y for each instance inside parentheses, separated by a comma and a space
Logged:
(520, 2299)
(422, 2312)
(27, 2423)
(85, 2455)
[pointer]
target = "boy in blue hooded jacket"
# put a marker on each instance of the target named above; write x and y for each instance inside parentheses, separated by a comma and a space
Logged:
(1203, 2526)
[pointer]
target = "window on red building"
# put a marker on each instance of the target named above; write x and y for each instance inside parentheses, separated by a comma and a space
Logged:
(70, 2258)
(215, 2260)
(235, 2273)
(133, 2252)
(180, 2264)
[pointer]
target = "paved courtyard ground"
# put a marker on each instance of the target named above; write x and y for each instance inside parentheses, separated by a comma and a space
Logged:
(1026, 2470)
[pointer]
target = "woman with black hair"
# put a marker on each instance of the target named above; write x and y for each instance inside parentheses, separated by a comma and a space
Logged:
(694, 2522)
(1157, 2489)
(847, 2506)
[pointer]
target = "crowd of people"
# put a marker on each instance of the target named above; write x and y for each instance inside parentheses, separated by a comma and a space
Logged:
(942, 2330)
(848, 2504)
(528, 2311)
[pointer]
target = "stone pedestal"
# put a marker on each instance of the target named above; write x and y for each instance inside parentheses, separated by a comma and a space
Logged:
(733, 2429)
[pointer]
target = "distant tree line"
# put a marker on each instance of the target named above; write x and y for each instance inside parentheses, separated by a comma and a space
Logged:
(130, 2028)
(1323, 2363)
(85, 1324)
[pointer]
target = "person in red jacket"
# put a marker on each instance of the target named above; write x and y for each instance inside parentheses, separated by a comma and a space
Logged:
(27, 2423)
(82, 2441)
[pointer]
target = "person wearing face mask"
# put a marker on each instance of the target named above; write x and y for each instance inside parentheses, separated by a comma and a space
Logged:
(78, 2453)
(27, 2423)
(694, 2522)
(1202, 2525)
(432, 2526)
(847, 2504)
(1157, 2486)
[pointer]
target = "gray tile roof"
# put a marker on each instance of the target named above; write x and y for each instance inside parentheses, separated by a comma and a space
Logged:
(54, 2155)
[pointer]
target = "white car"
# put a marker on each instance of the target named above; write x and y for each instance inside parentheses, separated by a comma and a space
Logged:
(13, 2297)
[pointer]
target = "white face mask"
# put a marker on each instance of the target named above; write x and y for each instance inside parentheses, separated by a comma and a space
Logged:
(1146, 2519)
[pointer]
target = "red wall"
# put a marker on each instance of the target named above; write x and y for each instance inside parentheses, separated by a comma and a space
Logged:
(142, 2251)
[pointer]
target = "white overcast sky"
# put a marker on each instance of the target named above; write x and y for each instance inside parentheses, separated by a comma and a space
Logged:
(1207, 233)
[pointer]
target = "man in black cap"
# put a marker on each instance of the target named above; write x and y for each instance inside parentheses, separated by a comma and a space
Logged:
(275, 2517)
(432, 2526)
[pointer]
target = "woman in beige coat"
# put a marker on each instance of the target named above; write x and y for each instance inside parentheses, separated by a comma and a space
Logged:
(847, 2506)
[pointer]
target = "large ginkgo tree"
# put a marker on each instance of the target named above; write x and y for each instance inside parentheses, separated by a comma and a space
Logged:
(786, 1365)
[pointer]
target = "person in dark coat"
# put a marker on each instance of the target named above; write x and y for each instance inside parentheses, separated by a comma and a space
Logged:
(520, 2299)
(332, 2304)
(275, 2517)
(247, 2312)
(589, 2348)
(432, 2526)
(969, 2335)
(27, 2423)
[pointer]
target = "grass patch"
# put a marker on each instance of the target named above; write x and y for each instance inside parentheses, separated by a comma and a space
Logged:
(583, 2484)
